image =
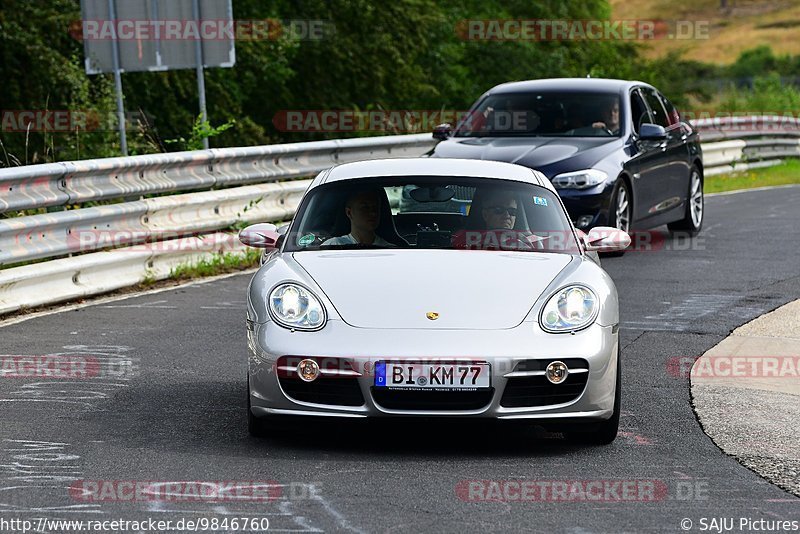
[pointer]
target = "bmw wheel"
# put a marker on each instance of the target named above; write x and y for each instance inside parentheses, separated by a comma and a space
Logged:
(620, 212)
(692, 222)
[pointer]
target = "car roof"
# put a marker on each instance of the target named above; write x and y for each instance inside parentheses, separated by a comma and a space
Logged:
(566, 84)
(435, 167)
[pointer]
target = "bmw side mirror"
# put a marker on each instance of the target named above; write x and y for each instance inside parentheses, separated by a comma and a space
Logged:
(442, 132)
(652, 132)
(607, 239)
(262, 235)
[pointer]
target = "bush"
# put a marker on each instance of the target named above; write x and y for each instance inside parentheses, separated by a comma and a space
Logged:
(768, 95)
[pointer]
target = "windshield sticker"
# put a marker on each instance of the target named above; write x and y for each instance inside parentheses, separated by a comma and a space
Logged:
(306, 240)
(539, 201)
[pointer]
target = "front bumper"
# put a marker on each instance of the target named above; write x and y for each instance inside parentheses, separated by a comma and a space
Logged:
(503, 349)
(590, 206)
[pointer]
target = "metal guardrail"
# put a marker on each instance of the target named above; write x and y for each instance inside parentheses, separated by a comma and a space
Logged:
(61, 184)
(155, 219)
(727, 156)
(100, 272)
(746, 142)
(146, 228)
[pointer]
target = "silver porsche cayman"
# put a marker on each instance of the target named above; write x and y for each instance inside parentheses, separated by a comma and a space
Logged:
(434, 288)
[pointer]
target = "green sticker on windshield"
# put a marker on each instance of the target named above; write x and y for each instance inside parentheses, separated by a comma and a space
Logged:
(539, 201)
(306, 240)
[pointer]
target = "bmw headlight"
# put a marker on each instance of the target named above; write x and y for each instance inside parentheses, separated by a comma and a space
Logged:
(293, 306)
(571, 308)
(579, 179)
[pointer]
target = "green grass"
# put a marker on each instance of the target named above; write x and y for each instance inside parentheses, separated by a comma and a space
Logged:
(217, 264)
(784, 174)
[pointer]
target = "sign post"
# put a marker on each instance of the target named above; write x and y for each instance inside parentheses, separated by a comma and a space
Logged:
(157, 35)
(201, 77)
(123, 137)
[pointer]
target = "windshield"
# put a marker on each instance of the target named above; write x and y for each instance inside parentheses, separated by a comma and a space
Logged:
(431, 213)
(551, 114)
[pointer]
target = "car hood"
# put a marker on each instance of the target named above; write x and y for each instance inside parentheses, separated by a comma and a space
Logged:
(550, 155)
(480, 290)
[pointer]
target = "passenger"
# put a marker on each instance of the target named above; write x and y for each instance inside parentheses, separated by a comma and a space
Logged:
(610, 116)
(363, 208)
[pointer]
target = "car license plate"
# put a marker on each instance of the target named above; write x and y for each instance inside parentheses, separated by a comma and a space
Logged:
(434, 376)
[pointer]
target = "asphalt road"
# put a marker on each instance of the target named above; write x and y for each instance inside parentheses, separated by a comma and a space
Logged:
(168, 405)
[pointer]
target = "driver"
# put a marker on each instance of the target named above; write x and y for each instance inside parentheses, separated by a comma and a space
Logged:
(610, 120)
(363, 208)
(500, 211)
(499, 217)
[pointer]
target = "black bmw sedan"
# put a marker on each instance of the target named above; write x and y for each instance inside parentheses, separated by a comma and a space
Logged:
(616, 151)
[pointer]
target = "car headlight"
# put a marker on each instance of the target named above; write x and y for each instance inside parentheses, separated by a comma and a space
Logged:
(293, 306)
(571, 308)
(579, 179)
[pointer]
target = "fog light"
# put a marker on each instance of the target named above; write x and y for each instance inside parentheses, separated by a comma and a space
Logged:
(557, 372)
(308, 370)
(584, 221)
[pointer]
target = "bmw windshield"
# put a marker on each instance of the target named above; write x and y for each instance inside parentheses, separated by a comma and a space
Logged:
(550, 114)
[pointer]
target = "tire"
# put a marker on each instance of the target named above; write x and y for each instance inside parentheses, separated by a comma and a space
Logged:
(692, 221)
(617, 217)
(604, 432)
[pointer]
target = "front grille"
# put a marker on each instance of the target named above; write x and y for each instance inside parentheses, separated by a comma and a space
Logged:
(337, 391)
(399, 399)
(530, 391)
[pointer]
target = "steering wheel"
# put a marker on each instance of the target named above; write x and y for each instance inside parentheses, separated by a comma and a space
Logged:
(605, 129)
(524, 242)
(518, 242)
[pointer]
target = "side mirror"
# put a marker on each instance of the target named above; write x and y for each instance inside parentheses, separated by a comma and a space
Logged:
(442, 132)
(652, 132)
(262, 235)
(607, 239)
(282, 231)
